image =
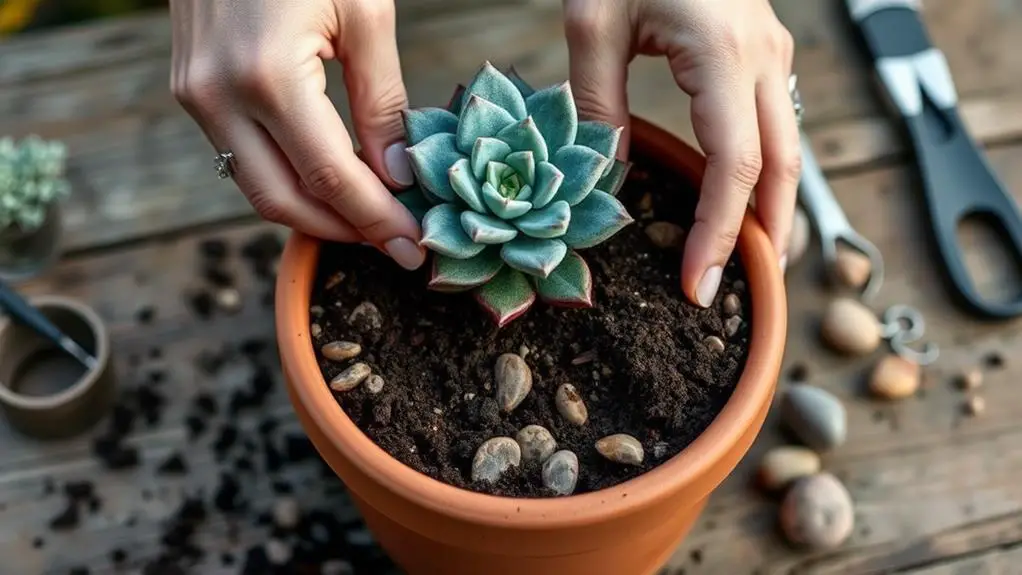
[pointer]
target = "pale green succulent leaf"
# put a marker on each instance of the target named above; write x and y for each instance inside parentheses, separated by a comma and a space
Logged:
(416, 203)
(524, 194)
(601, 137)
(457, 100)
(569, 285)
(489, 84)
(442, 233)
(503, 208)
(525, 136)
(485, 229)
(466, 186)
(430, 160)
(582, 167)
(536, 257)
(549, 222)
(524, 87)
(454, 275)
(548, 182)
(524, 163)
(555, 114)
(595, 219)
(507, 296)
(480, 119)
(615, 178)
(486, 150)
(422, 123)
(495, 172)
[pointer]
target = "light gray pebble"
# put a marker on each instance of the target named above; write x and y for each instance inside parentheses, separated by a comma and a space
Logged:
(366, 314)
(277, 552)
(570, 404)
(621, 448)
(315, 330)
(229, 300)
(513, 379)
(817, 512)
(349, 379)
(560, 472)
(374, 383)
(714, 344)
(494, 457)
(784, 464)
(317, 311)
(340, 350)
(286, 513)
(815, 416)
(360, 537)
(536, 443)
(336, 567)
(732, 305)
(732, 325)
(660, 449)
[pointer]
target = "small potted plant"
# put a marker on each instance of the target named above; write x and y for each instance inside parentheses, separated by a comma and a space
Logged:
(32, 184)
(578, 420)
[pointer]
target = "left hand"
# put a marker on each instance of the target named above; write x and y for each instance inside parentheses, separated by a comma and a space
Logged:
(733, 57)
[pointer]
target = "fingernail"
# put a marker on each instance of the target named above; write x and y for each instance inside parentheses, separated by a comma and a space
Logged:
(707, 288)
(405, 253)
(396, 159)
(784, 263)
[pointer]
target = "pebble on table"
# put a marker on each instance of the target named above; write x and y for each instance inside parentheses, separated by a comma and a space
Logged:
(816, 416)
(817, 512)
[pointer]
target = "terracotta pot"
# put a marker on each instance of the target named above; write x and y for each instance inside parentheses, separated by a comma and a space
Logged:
(430, 527)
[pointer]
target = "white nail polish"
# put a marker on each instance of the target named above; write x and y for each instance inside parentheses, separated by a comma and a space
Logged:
(396, 159)
(708, 286)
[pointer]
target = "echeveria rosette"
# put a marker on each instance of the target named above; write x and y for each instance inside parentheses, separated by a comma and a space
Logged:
(510, 184)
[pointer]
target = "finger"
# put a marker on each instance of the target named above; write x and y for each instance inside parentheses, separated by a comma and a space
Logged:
(724, 121)
(782, 166)
(264, 175)
(598, 52)
(376, 90)
(309, 131)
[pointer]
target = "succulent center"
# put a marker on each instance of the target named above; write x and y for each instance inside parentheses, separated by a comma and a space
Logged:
(510, 184)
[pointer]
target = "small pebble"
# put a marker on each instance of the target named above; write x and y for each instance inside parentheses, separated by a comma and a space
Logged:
(334, 281)
(277, 552)
(494, 457)
(560, 472)
(782, 465)
(852, 267)
(850, 327)
(286, 513)
(513, 379)
(336, 567)
(366, 314)
(714, 344)
(646, 202)
(570, 404)
(536, 443)
(817, 512)
(316, 311)
(894, 377)
(666, 235)
(971, 379)
(621, 448)
(584, 357)
(815, 416)
(374, 383)
(732, 325)
(315, 330)
(229, 300)
(523, 350)
(732, 304)
(798, 240)
(340, 350)
(660, 449)
(349, 379)
(976, 405)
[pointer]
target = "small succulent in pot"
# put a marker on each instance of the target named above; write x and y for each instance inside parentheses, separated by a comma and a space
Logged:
(31, 179)
(510, 184)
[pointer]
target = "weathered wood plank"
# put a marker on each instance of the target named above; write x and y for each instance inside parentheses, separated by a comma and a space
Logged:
(992, 563)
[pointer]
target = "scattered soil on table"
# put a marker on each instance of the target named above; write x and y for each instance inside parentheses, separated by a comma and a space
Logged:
(640, 361)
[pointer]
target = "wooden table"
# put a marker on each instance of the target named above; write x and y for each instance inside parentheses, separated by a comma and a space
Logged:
(936, 491)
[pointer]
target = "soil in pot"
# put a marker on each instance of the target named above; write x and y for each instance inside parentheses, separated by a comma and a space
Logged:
(645, 361)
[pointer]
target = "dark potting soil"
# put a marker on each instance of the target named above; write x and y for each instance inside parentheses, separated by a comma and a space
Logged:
(638, 357)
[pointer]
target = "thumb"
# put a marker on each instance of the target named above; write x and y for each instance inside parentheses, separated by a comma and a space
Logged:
(376, 91)
(599, 41)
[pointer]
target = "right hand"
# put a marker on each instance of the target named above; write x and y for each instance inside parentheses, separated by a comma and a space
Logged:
(251, 74)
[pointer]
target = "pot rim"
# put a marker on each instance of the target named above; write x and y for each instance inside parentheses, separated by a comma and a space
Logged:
(689, 466)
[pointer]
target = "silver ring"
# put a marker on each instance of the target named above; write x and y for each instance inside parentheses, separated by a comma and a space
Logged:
(796, 99)
(224, 162)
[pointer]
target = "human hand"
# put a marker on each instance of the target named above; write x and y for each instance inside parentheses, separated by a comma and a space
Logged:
(251, 73)
(733, 57)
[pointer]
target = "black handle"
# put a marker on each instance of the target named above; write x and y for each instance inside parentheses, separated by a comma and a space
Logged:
(23, 312)
(957, 179)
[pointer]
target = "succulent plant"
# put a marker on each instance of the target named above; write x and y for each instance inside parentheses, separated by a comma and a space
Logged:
(509, 184)
(31, 177)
